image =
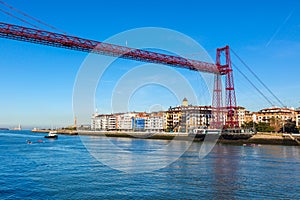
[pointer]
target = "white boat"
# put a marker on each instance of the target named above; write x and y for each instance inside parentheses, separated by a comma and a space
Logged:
(52, 134)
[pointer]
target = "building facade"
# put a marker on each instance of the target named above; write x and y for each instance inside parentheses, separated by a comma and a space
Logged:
(187, 117)
(104, 122)
(244, 115)
(297, 117)
(268, 115)
(156, 122)
(174, 119)
(197, 117)
(125, 121)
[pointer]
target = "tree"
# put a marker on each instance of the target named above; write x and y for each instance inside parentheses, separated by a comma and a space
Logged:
(250, 124)
(276, 123)
(259, 127)
(289, 127)
(264, 127)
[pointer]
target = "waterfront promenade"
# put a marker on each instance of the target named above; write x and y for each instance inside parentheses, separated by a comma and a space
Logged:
(259, 138)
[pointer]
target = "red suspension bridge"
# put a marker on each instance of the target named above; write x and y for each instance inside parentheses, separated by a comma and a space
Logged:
(219, 69)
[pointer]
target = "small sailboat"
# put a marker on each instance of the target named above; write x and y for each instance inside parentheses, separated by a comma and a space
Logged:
(19, 128)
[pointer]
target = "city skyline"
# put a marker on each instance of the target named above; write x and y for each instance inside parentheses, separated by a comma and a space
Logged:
(37, 82)
(189, 118)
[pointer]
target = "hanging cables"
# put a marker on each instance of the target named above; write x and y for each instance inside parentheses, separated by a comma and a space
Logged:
(252, 84)
(259, 80)
(18, 18)
(28, 16)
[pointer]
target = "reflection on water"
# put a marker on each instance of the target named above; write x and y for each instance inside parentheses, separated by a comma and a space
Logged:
(64, 169)
(225, 177)
(135, 155)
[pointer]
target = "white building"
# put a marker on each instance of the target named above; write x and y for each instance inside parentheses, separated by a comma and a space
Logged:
(244, 115)
(187, 117)
(112, 122)
(197, 116)
(156, 122)
(103, 122)
(125, 121)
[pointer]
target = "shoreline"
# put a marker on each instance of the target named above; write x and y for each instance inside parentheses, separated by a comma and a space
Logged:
(259, 138)
(263, 139)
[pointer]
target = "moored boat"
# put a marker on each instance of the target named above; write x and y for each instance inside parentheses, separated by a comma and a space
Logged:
(52, 134)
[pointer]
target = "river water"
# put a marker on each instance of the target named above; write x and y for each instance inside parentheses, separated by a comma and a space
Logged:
(65, 169)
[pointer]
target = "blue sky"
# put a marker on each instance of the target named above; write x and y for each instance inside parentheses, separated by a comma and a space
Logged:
(37, 81)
